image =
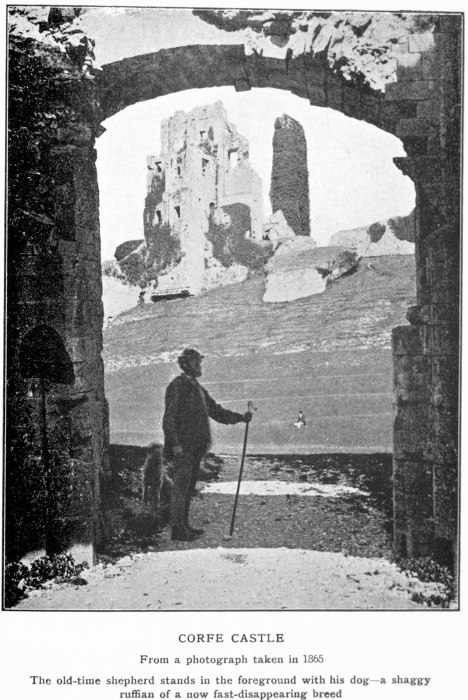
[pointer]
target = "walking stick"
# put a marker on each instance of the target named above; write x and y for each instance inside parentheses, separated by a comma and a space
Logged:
(250, 407)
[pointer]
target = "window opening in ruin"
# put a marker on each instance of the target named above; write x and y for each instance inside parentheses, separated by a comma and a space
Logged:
(204, 162)
(177, 211)
(202, 135)
(179, 166)
(159, 215)
(233, 158)
(159, 167)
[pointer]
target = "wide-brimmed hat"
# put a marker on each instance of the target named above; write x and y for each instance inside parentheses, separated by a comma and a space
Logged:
(190, 353)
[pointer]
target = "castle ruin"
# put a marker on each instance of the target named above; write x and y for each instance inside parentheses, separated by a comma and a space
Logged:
(290, 176)
(203, 168)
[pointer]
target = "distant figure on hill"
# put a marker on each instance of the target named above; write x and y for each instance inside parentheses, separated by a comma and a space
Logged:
(187, 436)
(300, 423)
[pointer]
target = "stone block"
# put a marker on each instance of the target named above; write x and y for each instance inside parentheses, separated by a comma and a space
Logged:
(316, 69)
(74, 534)
(415, 90)
(429, 110)
(444, 287)
(370, 106)
(256, 71)
(444, 425)
(76, 134)
(83, 287)
(297, 79)
(316, 95)
(410, 431)
(413, 128)
(242, 85)
(446, 501)
(401, 46)
(426, 169)
(409, 66)
(439, 314)
(82, 315)
(400, 511)
(41, 287)
(413, 512)
(84, 348)
(410, 379)
(441, 340)
(87, 376)
(407, 340)
(393, 110)
(421, 42)
(335, 99)
(279, 79)
(352, 102)
(430, 65)
(445, 383)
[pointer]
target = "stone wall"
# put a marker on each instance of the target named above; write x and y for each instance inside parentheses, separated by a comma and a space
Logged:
(56, 416)
(393, 236)
(427, 352)
(203, 169)
(290, 175)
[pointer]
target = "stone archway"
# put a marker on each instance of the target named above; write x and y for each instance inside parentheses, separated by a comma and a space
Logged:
(398, 72)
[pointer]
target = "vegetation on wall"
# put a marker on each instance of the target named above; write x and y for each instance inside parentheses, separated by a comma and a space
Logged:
(163, 249)
(289, 189)
(126, 248)
(229, 243)
(376, 231)
(404, 227)
(152, 200)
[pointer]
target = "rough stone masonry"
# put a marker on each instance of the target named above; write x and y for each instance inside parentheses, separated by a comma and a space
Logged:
(203, 170)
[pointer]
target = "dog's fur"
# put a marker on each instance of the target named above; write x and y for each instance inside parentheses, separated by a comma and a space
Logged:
(157, 483)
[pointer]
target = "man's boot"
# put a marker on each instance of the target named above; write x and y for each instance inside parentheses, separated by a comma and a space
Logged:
(193, 530)
(182, 534)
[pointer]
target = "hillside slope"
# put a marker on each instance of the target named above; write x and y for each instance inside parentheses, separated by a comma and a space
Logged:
(354, 312)
(328, 355)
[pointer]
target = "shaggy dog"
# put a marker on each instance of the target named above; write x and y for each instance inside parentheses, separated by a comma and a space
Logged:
(157, 483)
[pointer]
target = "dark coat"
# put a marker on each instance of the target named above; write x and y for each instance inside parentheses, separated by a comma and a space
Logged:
(186, 418)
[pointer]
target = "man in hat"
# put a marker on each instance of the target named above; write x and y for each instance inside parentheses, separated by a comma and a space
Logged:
(187, 436)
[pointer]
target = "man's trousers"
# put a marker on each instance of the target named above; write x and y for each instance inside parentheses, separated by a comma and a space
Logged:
(186, 468)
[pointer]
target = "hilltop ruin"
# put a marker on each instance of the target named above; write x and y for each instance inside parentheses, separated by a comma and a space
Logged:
(203, 206)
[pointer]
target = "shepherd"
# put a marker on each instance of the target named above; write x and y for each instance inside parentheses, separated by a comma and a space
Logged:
(187, 437)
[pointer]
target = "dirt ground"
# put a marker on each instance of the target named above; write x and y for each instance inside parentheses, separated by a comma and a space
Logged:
(311, 533)
(357, 522)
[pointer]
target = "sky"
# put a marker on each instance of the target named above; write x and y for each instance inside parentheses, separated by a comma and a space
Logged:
(352, 178)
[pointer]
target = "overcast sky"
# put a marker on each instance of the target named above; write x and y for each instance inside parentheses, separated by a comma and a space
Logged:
(352, 178)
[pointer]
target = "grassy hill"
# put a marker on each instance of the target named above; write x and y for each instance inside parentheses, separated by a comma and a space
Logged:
(328, 355)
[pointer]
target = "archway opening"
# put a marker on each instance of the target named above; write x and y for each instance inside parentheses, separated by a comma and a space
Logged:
(326, 354)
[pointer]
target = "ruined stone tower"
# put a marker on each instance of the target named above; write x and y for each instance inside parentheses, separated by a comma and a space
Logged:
(289, 176)
(203, 167)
